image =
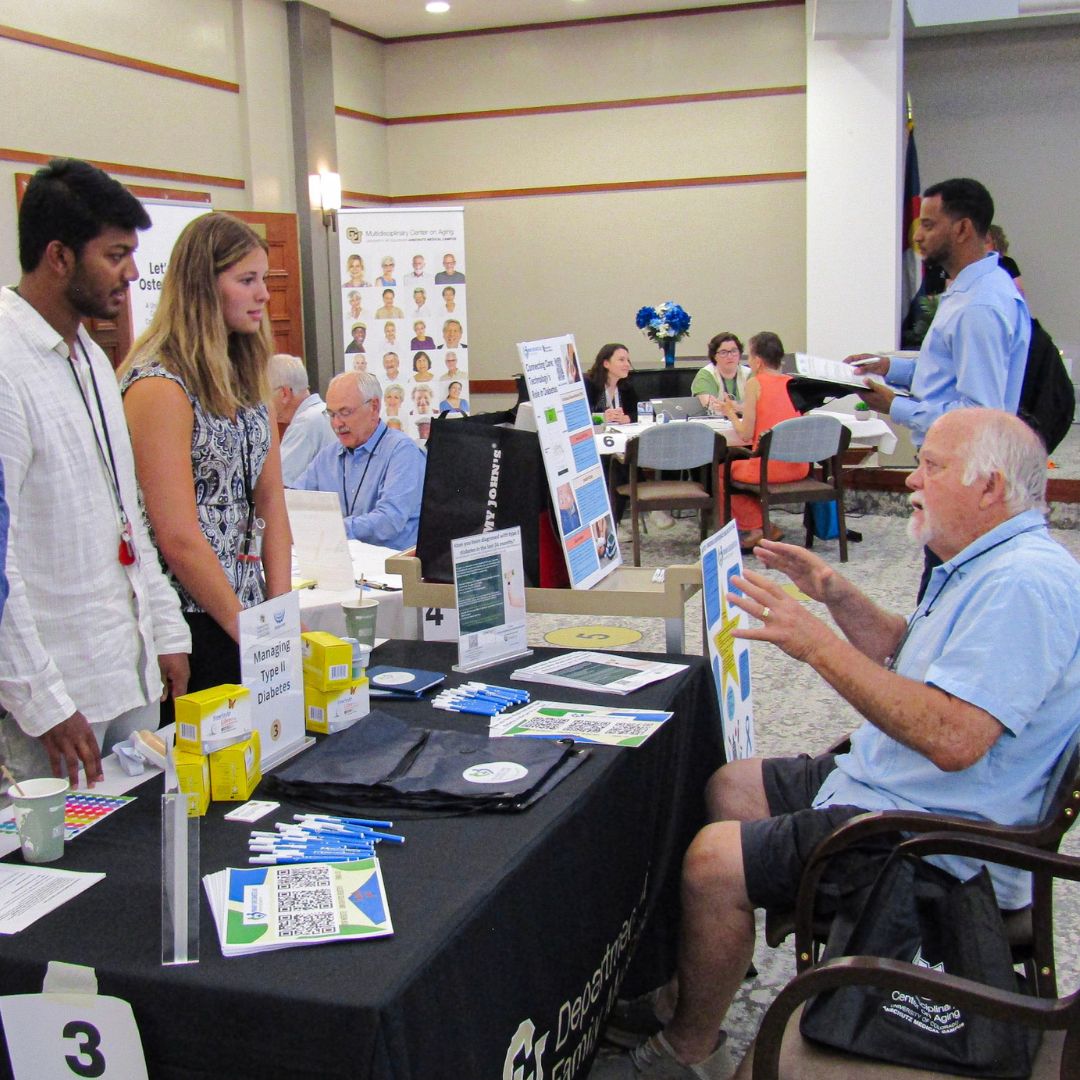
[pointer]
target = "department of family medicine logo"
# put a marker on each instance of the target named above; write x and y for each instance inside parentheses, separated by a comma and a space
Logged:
(354, 235)
(524, 1055)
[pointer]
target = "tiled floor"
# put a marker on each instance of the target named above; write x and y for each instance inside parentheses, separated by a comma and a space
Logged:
(795, 711)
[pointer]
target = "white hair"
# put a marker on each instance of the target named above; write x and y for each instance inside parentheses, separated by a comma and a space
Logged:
(1001, 443)
(368, 385)
(289, 373)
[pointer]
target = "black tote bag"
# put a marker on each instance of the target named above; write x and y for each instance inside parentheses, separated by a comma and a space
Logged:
(920, 914)
(480, 477)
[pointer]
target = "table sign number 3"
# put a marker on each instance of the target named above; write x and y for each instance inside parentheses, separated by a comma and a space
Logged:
(59, 1036)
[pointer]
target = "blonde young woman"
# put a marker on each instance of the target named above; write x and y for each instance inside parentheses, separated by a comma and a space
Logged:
(206, 451)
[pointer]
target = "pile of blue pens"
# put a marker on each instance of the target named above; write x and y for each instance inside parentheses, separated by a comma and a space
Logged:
(319, 838)
(480, 698)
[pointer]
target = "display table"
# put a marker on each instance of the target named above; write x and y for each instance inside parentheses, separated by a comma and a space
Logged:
(629, 591)
(512, 932)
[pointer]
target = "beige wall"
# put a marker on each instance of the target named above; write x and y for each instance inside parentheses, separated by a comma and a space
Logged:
(584, 263)
(1005, 109)
(59, 104)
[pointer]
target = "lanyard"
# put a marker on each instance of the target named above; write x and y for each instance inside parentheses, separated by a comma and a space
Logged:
(251, 550)
(126, 552)
(892, 661)
(350, 506)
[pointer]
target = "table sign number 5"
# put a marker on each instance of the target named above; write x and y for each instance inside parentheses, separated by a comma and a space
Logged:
(60, 1036)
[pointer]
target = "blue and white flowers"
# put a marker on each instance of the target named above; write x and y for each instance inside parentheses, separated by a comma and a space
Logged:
(663, 323)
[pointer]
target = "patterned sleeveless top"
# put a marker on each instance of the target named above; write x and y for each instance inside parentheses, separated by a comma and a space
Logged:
(219, 448)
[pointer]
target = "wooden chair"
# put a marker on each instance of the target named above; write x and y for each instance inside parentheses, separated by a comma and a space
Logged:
(817, 440)
(781, 1053)
(1030, 929)
(672, 447)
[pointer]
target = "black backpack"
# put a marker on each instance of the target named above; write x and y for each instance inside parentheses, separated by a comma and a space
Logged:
(1047, 398)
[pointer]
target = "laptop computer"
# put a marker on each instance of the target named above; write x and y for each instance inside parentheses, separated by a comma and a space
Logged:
(678, 408)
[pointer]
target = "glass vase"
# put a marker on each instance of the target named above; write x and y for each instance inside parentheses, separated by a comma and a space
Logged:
(668, 347)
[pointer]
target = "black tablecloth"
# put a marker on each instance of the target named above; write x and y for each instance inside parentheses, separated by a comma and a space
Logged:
(512, 935)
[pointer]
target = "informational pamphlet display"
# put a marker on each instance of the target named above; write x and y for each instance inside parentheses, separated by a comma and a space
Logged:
(603, 673)
(403, 310)
(575, 477)
(490, 587)
(606, 724)
(155, 247)
(272, 669)
(729, 657)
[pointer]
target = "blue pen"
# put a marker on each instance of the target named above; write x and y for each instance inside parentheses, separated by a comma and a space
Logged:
(345, 820)
(464, 707)
(275, 860)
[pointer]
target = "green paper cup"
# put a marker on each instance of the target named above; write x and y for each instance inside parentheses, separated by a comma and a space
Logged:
(360, 616)
(39, 817)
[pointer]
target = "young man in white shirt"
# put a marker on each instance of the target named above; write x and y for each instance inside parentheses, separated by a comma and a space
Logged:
(92, 629)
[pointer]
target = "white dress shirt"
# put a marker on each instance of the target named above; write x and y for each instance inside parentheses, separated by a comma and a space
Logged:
(308, 432)
(80, 630)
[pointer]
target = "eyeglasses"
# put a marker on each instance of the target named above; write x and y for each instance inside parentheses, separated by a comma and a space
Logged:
(729, 352)
(344, 414)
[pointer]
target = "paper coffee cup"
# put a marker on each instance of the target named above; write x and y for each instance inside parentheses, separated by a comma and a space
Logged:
(39, 817)
(360, 617)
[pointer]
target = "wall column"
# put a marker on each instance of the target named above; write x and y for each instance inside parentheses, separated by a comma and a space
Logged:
(314, 148)
(854, 186)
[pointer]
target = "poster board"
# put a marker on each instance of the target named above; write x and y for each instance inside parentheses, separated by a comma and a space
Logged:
(403, 307)
(729, 657)
(155, 247)
(575, 476)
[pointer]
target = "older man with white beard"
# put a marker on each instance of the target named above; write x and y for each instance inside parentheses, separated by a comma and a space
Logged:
(967, 706)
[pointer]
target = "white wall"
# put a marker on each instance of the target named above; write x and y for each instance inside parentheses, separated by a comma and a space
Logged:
(1005, 108)
(553, 262)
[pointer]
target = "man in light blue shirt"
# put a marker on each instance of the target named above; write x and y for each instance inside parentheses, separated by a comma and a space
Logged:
(378, 473)
(308, 429)
(975, 351)
(967, 706)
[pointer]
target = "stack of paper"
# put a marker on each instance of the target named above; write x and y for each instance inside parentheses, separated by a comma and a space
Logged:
(604, 724)
(601, 672)
(275, 907)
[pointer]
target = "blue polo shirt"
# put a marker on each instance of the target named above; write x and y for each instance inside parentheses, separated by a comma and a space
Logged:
(999, 627)
(974, 353)
(380, 485)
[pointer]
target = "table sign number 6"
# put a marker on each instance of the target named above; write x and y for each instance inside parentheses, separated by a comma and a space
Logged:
(62, 1036)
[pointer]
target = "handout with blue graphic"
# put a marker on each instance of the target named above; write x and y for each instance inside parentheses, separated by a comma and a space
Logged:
(729, 656)
(275, 907)
(578, 490)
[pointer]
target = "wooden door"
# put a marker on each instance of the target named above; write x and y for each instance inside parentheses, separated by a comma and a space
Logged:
(282, 237)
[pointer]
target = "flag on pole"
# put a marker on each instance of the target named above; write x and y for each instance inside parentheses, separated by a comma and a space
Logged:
(909, 262)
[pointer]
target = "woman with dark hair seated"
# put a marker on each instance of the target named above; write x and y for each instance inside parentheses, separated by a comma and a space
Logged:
(723, 376)
(608, 388)
(767, 402)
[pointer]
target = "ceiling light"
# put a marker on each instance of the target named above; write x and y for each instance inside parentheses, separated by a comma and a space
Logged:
(437, 7)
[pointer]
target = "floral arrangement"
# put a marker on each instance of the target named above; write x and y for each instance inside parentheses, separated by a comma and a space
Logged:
(663, 323)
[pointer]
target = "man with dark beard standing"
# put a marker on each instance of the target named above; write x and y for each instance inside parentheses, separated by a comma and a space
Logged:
(92, 628)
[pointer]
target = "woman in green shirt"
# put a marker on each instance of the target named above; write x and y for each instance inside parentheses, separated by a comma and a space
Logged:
(722, 378)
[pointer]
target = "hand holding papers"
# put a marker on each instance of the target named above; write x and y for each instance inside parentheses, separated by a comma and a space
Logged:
(832, 371)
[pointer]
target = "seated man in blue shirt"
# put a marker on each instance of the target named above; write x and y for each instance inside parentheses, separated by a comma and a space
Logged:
(967, 706)
(377, 472)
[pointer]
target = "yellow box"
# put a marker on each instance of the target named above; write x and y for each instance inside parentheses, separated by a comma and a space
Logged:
(210, 719)
(193, 775)
(327, 661)
(334, 710)
(235, 771)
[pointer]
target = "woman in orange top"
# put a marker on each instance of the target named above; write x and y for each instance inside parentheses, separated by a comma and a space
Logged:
(766, 403)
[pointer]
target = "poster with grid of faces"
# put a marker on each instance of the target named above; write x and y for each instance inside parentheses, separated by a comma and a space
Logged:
(403, 279)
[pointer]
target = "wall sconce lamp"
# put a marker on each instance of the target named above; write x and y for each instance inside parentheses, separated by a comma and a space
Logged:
(327, 187)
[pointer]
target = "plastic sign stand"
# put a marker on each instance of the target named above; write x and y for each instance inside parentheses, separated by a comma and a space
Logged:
(70, 1031)
(179, 881)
